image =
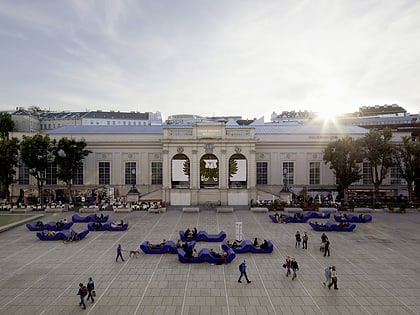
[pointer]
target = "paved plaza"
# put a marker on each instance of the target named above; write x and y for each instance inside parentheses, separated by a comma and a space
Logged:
(378, 267)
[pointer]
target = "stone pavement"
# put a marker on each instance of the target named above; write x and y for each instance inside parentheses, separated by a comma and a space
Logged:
(378, 269)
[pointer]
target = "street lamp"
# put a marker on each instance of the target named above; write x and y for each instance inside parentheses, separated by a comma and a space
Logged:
(285, 188)
(133, 181)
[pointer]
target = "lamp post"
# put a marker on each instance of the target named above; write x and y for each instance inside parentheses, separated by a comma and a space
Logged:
(285, 188)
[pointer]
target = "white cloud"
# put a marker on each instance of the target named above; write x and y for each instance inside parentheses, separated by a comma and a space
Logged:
(223, 58)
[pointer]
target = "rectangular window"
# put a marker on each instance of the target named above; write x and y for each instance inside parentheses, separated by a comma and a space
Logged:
(104, 173)
(51, 174)
(130, 173)
(314, 173)
(395, 175)
(23, 174)
(78, 174)
(288, 170)
(262, 173)
(367, 173)
(157, 174)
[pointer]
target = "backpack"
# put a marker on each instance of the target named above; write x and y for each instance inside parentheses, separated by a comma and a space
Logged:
(240, 267)
(84, 291)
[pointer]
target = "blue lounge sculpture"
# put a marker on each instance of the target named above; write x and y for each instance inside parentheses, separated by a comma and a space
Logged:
(50, 226)
(203, 236)
(205, 255)
(108, 226)
(89, 218)
(330, 226)
(362, 218)
(168, 247)
(248, 246)
(61, 235)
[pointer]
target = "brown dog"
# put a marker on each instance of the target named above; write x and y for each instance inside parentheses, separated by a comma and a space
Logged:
(134, 253)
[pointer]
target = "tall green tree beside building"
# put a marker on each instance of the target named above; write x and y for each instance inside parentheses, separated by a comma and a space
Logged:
(407, 159)
(378, 151)
(344, 156)
(68, 153)
(36, 153)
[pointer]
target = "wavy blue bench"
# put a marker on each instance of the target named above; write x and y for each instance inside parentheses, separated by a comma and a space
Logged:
(205, 255)
(50, 226)
(353, 218)
(248, 246)
(107, 227)
(168, 247)
(62, 235)
(89, 218)
(329, 226)
(203, 236)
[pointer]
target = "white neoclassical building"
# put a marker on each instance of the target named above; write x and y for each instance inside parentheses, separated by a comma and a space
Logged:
(194, 165)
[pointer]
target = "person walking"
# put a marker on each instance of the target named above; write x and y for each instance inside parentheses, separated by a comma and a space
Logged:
(242, 269)
(119, 253)
(82, 293)
(327, 248)
(333, 278)
(327, 273)
(298, 239)
(288, 265)
(305, 241)
(90, 288)
(295, 268)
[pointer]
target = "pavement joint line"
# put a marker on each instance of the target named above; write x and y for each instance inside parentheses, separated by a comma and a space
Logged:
(122, 268)
(74, 283)
(43, 277)
(393, 295)
(185, 290)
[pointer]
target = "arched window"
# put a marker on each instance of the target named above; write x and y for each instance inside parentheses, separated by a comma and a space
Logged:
(237, 171)
(180, 171)
(209, 171)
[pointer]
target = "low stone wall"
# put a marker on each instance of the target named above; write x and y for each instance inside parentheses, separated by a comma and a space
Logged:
(259, 209)
(89, 210)
(293, 210)
(158, 210)
(191, 209)
(122, 210)
(362, 210)
(224, 209)
(21, 210)
(327, 209)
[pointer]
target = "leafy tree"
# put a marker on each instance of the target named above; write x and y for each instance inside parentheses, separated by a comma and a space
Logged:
(6, 125)
(344, 156)
(9, 157)
(68, 153)
(36, 152)
(407, 159)
(377, 149)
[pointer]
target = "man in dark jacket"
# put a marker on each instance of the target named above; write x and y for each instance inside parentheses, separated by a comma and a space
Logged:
(242, 269)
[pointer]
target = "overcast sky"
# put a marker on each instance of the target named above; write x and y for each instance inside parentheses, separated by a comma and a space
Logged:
(210, 57)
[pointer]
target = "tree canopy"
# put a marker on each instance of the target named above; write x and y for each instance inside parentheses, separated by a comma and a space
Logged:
(9, 157)
(68, 153)
(6, 125)
(378, 148)
(36, 153)
(407, 159)
(344, 156)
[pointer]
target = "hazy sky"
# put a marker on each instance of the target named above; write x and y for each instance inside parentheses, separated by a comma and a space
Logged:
(210, 57)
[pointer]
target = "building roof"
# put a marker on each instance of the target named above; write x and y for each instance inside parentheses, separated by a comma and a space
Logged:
(117, 115)
(274, 128)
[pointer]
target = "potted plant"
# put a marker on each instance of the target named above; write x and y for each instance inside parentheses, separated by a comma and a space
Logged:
(402, 207)
(391, 207)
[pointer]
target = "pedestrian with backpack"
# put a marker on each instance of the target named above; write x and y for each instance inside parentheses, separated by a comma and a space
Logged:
(305, 241)
(83, 291)
(91, 290)
(242, 269)
(298, 239)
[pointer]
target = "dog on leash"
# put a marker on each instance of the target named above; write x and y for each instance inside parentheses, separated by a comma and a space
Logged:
(134, 253)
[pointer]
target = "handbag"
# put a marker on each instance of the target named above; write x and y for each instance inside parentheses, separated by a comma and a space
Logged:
(284, 265)
(94, 293)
